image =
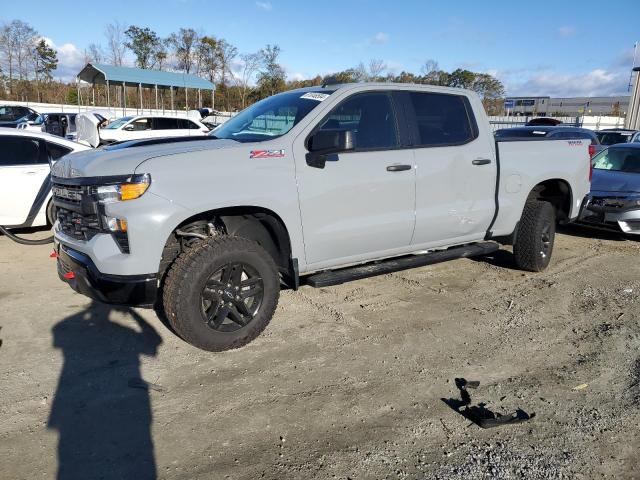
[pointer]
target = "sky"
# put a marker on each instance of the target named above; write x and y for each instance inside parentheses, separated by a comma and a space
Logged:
(566, 48)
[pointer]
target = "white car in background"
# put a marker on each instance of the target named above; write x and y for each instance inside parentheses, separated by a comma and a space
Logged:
(150, 126)
(25, 188)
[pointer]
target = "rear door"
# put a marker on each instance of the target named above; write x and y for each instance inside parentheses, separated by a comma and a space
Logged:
(361, 204)
(189, 127)
(455, 169)
(23, 170)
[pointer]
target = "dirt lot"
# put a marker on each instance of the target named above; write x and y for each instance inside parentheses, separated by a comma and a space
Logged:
(346, 382)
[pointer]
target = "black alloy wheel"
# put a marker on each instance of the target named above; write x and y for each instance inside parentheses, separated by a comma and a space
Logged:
(232, 297)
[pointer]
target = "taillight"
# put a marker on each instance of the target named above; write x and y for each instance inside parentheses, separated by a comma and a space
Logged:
(592, 152)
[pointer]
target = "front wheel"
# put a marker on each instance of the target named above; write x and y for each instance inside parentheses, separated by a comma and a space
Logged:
(222, 293)
(535, 236)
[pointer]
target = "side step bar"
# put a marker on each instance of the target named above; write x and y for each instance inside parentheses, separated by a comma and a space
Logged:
(336, 277)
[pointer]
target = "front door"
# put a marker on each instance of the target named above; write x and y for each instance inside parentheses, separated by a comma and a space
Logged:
(361, 204)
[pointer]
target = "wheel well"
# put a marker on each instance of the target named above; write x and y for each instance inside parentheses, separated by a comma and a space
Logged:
(254, 223)
(558, 193)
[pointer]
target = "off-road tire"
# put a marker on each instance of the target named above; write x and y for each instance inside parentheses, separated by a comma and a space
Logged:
(535, 236)
(186, 279)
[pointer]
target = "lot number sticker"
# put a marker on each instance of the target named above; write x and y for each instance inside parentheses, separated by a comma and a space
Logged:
(318, 97)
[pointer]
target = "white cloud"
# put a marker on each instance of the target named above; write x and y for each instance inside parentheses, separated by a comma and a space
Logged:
(296, 76)
(266, 6)
(597, 82)
(380, 38)
(566, 31)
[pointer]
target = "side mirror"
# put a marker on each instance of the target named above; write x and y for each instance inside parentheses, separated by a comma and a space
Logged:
(128, 128)
(324, 144)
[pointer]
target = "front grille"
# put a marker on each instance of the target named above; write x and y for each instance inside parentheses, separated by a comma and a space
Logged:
(608, 204)
(77, 225)
(80, 216)
(71, 194)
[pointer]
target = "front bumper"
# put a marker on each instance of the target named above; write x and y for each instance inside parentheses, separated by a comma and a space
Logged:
(129, 290)
(605, 212)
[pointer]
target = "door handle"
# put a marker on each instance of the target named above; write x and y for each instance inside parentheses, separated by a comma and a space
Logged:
(481, 161)
(29, 173)
(398, 168)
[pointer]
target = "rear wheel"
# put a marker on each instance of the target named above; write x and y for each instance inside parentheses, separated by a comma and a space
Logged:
(535, 236)
(222, 293)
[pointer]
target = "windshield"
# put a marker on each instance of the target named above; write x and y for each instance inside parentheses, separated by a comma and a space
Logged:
(611, 138)
(271, 117)
(118, 123)
(618, 159)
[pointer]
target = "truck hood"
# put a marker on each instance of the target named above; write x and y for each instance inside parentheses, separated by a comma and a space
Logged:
(122, 159)
(615, 182)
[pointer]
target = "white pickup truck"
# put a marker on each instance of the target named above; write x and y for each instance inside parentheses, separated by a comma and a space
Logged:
(320, 186)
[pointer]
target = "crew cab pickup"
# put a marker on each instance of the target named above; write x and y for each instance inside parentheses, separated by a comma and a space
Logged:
(316, 186)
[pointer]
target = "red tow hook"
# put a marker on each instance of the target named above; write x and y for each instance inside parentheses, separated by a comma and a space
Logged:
(69, 275)
(54, 254)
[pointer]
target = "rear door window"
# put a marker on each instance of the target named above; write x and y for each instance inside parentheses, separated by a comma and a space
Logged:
(19, 151)
(370, 116)
(162, 123)
(442, 119)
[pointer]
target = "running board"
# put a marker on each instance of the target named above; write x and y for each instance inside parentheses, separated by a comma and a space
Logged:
(336, 277)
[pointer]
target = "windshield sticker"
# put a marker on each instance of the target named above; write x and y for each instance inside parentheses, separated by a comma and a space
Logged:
(266, 154)
(319, 97)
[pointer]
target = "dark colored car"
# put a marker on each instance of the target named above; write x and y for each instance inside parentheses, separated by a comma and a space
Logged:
(12, 115)
(552, 133)
(613, 136)
(543, 121)
(614, 200)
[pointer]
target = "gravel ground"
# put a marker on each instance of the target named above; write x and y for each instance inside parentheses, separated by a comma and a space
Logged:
(346, 382)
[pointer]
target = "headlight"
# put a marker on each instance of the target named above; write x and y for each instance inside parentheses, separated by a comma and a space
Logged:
(632, 202)
(133, 188)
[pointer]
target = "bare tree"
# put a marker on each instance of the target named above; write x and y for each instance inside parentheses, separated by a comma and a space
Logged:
(93, 54)
(251, 62)
(376, 68)
(185, 45)
(114, 32)
(226, 54)
(7, 49)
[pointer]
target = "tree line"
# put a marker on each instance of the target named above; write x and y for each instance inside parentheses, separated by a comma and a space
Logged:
(27, 65)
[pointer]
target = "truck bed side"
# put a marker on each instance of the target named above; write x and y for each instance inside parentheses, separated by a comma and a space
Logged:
(524, 164)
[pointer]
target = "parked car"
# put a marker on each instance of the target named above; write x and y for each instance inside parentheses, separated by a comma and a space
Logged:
(12, 115)
(147, 126)
(309, 183)
(56, 123)
(543, 121)
(25, 196)
(612, 136)
(552, 133)
(614, 200)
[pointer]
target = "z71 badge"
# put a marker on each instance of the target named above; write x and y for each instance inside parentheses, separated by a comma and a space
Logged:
(266, 154)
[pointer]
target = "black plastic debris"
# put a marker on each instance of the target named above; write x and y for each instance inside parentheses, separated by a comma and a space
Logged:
(144, 385)
(480, 414)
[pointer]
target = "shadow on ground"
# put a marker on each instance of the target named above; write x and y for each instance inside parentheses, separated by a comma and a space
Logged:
(104, 424)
